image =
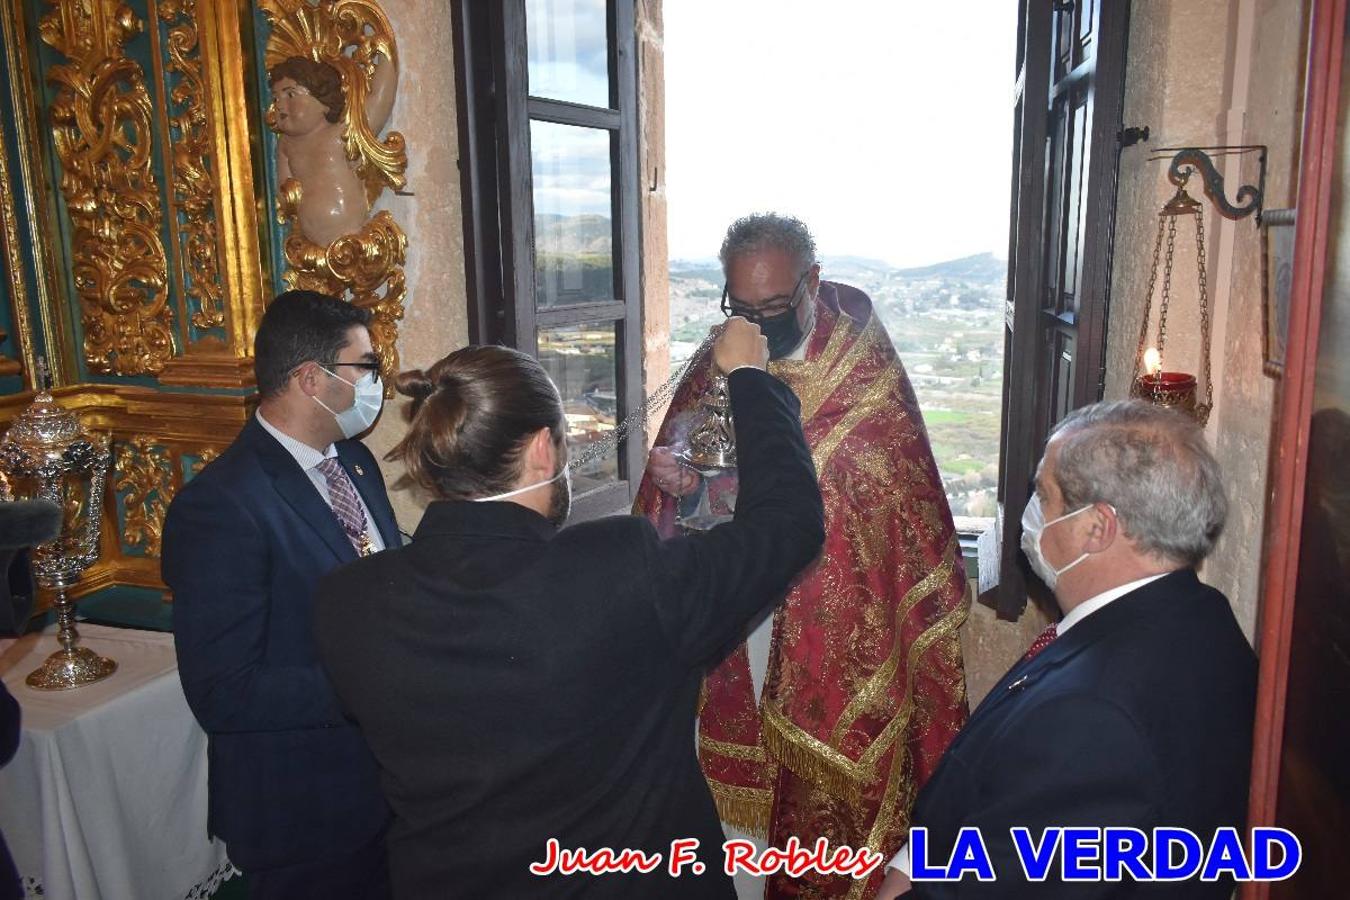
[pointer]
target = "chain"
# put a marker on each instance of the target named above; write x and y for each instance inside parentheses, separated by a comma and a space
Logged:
(1204, 307)
(1148, 304)
(638, 417)
(1167, 285)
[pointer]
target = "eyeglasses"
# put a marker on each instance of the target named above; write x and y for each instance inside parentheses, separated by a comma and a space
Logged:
(368, 366)
(774, 306)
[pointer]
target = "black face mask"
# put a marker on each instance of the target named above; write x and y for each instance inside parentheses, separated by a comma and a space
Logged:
(783, 331)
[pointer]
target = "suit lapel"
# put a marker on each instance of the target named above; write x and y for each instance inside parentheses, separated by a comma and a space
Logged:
(1142, 604)
(370, 484)
(299, 492)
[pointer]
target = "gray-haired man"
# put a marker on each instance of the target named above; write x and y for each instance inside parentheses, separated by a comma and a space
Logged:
(1135, 709)
(839, 703)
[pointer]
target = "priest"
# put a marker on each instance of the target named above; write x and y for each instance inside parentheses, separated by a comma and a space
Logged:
(826, 721)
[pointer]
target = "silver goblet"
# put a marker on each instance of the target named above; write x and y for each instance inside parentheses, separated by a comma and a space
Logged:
(48, 454)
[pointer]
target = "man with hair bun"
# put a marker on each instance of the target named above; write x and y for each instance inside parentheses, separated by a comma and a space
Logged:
(528, 690)
(1136, 708)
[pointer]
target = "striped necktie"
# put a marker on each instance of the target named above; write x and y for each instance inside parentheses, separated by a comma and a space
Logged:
(346, 504)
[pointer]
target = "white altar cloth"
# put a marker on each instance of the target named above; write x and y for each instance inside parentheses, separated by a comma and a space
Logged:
(106, 799)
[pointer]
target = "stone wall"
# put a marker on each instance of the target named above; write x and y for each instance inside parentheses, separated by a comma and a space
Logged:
(990, 646)
(1211, 72)
(652, 188)
(435, 319)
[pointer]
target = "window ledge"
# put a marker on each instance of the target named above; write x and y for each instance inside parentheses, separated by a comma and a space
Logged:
(968, 532)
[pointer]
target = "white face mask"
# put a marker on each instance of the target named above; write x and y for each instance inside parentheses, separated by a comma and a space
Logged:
(1033, 526)
(365, 409)
(563, 472)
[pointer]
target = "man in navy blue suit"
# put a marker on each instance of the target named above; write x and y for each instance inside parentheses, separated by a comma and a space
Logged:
(1136, 708)
(294, 791)
(23, 524)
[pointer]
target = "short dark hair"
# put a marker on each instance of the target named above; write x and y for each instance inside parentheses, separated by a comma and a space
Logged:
(323, 82)
(470, 418)
(300, 326)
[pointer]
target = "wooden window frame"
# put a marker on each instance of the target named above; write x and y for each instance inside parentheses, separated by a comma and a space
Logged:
(494, 114)
(1318, 176)
(1044, 84)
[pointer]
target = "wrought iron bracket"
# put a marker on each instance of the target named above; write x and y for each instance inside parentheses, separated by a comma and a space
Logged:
(1187, 161)
(1130, 136)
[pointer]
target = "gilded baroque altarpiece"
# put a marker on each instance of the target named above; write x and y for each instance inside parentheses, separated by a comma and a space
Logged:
(142, 228)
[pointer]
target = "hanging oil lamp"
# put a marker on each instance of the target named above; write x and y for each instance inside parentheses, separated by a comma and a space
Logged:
(1152, 380)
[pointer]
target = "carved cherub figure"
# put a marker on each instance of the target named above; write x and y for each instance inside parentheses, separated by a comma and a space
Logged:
(318, 177)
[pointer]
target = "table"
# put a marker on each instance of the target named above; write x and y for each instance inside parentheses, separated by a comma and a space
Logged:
(106, 799)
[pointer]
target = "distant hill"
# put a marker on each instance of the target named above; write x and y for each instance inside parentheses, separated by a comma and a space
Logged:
(980, 267)
(855, 262)
(694, 264)
(573, 234)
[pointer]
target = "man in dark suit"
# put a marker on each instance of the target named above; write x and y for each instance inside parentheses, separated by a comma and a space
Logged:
(1136, 708)
(293, 789)
(519, 683)
(23, 524)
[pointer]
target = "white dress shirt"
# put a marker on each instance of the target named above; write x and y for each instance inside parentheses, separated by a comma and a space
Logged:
(308, 458)
(1080, 612)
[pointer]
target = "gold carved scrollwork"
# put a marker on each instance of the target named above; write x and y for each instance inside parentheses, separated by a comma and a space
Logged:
(205, 457)
(144, 472)
(194, 187)
(101, 122)
(354, 37)
(369, 265)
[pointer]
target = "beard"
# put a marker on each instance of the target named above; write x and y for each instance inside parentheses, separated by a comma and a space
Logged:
(560, 502)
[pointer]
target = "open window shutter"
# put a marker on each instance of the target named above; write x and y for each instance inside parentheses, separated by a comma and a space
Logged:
(1069, 95)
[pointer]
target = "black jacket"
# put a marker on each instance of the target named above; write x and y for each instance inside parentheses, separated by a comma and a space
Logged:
(1140, 715)
(517, 683)
(23, 524)
(244, 543)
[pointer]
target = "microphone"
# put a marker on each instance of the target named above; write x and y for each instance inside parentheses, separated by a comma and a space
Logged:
(24, 523)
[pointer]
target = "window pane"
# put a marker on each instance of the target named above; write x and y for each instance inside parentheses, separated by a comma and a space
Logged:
(582, 362)
(573, 208)
(569, 50)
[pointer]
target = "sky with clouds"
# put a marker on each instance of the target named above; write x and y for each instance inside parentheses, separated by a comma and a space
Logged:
(885, 124)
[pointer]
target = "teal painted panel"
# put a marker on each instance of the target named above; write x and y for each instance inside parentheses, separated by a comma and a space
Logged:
(128, 607)
(276, 232)
(190, 466)
(28, 274)
(184, 99)
(147, 489)
(43, 59)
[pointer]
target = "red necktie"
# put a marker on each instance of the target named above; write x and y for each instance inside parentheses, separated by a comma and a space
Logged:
(1042, 641)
